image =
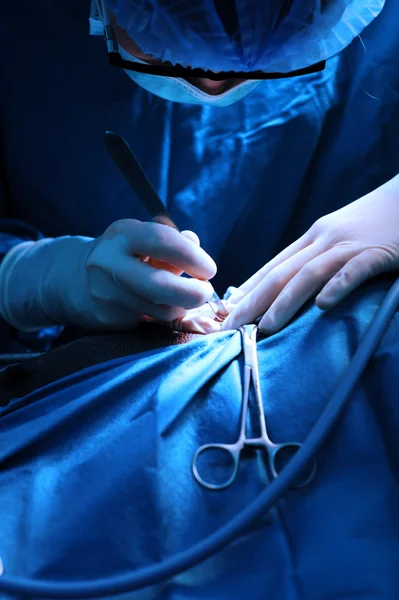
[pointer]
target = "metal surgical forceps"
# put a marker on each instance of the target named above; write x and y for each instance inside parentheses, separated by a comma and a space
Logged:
(273, 452)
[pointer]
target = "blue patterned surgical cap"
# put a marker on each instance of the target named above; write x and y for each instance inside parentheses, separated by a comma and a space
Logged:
(243, 35)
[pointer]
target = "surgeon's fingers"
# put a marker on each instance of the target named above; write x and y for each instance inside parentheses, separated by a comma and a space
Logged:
(259, 299)
(365, 265)
(114, 301)
(138, 304)
(166, 244)
(305, 284)
(190, 235)
(115, 317)
(161, 312)
(160, 264)
(159, 286)
(300, 244)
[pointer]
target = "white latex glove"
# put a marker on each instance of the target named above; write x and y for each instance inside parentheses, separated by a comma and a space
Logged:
(129, 273)
(338, 253)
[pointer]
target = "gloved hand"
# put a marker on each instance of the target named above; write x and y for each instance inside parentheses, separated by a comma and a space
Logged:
(338, 253)
(129, 273)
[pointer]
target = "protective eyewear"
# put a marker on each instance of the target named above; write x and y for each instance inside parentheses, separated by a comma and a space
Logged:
(168, 70)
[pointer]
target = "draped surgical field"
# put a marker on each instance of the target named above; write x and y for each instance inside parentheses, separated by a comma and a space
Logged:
(197, 320)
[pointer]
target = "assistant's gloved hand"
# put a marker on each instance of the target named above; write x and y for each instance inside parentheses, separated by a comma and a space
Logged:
(338, 253)
(130, 272)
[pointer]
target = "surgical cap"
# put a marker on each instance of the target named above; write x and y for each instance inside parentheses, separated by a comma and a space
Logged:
(244, 35)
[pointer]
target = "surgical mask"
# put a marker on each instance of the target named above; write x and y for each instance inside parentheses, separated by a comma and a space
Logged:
(180, 90)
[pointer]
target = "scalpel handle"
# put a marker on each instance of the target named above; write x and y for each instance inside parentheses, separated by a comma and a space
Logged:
(123, 157)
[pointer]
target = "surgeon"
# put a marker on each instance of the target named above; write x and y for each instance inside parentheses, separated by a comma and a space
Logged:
(269, 129)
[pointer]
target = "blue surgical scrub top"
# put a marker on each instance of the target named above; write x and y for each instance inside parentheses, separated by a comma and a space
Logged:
(249, 179)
